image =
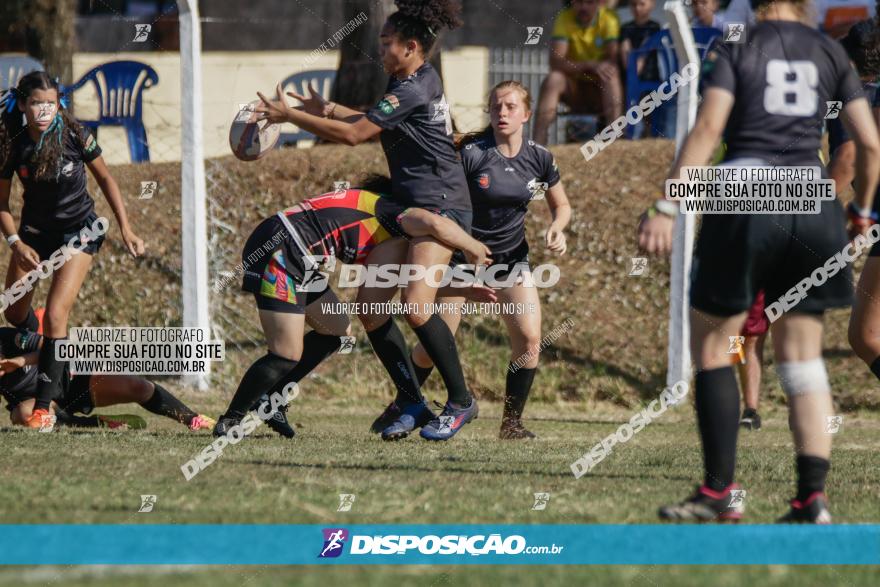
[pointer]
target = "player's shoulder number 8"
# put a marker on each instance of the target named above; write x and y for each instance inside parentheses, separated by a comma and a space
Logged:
(791, 79)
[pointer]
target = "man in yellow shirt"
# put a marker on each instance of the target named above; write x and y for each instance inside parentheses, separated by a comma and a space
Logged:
(583, 66)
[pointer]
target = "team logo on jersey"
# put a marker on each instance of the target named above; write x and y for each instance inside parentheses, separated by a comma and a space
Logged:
(537, 188)
(67, 170)
(334, 540)
(388, 103)
(483, 180)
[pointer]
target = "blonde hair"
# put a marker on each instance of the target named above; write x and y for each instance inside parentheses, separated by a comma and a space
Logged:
(465, 139)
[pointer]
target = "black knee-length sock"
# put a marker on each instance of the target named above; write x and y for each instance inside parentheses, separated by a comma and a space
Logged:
(422, 373)
(519, 383)
(267, 374)
(439, 342)
(875, 367)
(390, 346)
(717, 403)
(163, 403)
(812, 472)
(49, 375)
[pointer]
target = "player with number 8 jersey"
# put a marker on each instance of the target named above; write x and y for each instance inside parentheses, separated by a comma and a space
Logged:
(769, 96)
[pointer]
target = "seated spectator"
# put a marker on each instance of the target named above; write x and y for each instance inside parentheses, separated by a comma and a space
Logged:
(634, 33)
(706, 14)
(632, 36)
(583, 66)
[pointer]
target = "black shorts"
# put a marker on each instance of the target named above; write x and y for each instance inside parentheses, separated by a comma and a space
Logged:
(276, 277)
(464, 218)
(75, 395)
(47, 242)
(738, 255)
(516, 259)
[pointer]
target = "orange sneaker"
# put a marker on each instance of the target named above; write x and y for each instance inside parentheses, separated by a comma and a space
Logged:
(201, 422)
(41, 420)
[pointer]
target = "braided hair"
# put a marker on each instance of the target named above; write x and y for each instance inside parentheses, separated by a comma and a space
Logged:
(422, 20)
(48, 153)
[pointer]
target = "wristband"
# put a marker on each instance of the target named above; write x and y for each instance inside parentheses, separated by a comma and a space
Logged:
(666, 208)
(858, 215)
(12, 239)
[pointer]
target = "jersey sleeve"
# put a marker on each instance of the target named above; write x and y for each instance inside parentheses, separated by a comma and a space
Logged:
(396, 106)
(611, 26)
(469, 155)
(15, 342)
(550, 171)
(88, 145)
(8, 168)
(717, 70)
(560, 27)
(849, 87)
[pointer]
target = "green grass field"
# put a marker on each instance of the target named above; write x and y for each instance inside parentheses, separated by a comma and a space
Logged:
(99, 477)
(591, 379)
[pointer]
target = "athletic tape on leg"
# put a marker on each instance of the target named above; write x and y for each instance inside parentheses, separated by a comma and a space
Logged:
(803, 377)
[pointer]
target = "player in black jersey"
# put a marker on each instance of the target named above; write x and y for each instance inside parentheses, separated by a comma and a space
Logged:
(505, 172)
(414, 124)
(768, 96)
(80, 394)
(863, 48)
(282, 262)
(49, 152)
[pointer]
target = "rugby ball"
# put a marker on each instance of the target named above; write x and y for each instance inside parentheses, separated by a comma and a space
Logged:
(250, 138)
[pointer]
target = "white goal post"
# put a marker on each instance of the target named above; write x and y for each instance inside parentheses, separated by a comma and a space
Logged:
(679, 365)
(194, 235)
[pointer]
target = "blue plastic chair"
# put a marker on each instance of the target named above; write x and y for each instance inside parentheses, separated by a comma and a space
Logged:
(323, 80)
(14, 67)
(661, 44)
(120, 85)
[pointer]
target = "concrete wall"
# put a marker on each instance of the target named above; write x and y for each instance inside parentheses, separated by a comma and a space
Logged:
(230, 79)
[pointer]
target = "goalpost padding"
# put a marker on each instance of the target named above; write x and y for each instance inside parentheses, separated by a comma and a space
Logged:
(679, 361)
(192, 187)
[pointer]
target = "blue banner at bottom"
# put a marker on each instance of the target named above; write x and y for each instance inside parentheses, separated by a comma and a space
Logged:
(485, 544)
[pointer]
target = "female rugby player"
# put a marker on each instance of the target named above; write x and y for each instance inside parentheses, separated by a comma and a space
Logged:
(20, 351)
(768, 96)
(49, 152)
(415, 128)
(505, 173)
(288, 288)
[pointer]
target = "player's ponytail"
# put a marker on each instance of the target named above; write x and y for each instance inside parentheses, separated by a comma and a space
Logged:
(422, 20)
(11, 124)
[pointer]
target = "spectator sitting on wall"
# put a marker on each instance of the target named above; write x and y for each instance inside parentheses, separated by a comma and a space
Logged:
(583, 66)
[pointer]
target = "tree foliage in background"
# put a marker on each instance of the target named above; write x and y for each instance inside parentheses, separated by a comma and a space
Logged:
(44, 29)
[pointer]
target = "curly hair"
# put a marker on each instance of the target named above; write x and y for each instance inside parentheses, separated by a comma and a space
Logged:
(862, 44)
(422, 20)
(47, 157)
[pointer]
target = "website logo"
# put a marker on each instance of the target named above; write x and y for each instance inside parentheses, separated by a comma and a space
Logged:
(334, 540)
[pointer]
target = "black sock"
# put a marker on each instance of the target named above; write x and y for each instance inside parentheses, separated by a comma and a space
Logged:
(875, 367)
(439, 342)
(30, 322)
(519, 383)
(390, 346)
(165, 404)
(812, 472)
(76, 421)
(316, 348)
(267, 374)
(422, 373)
(717, 403)
(49, 375)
